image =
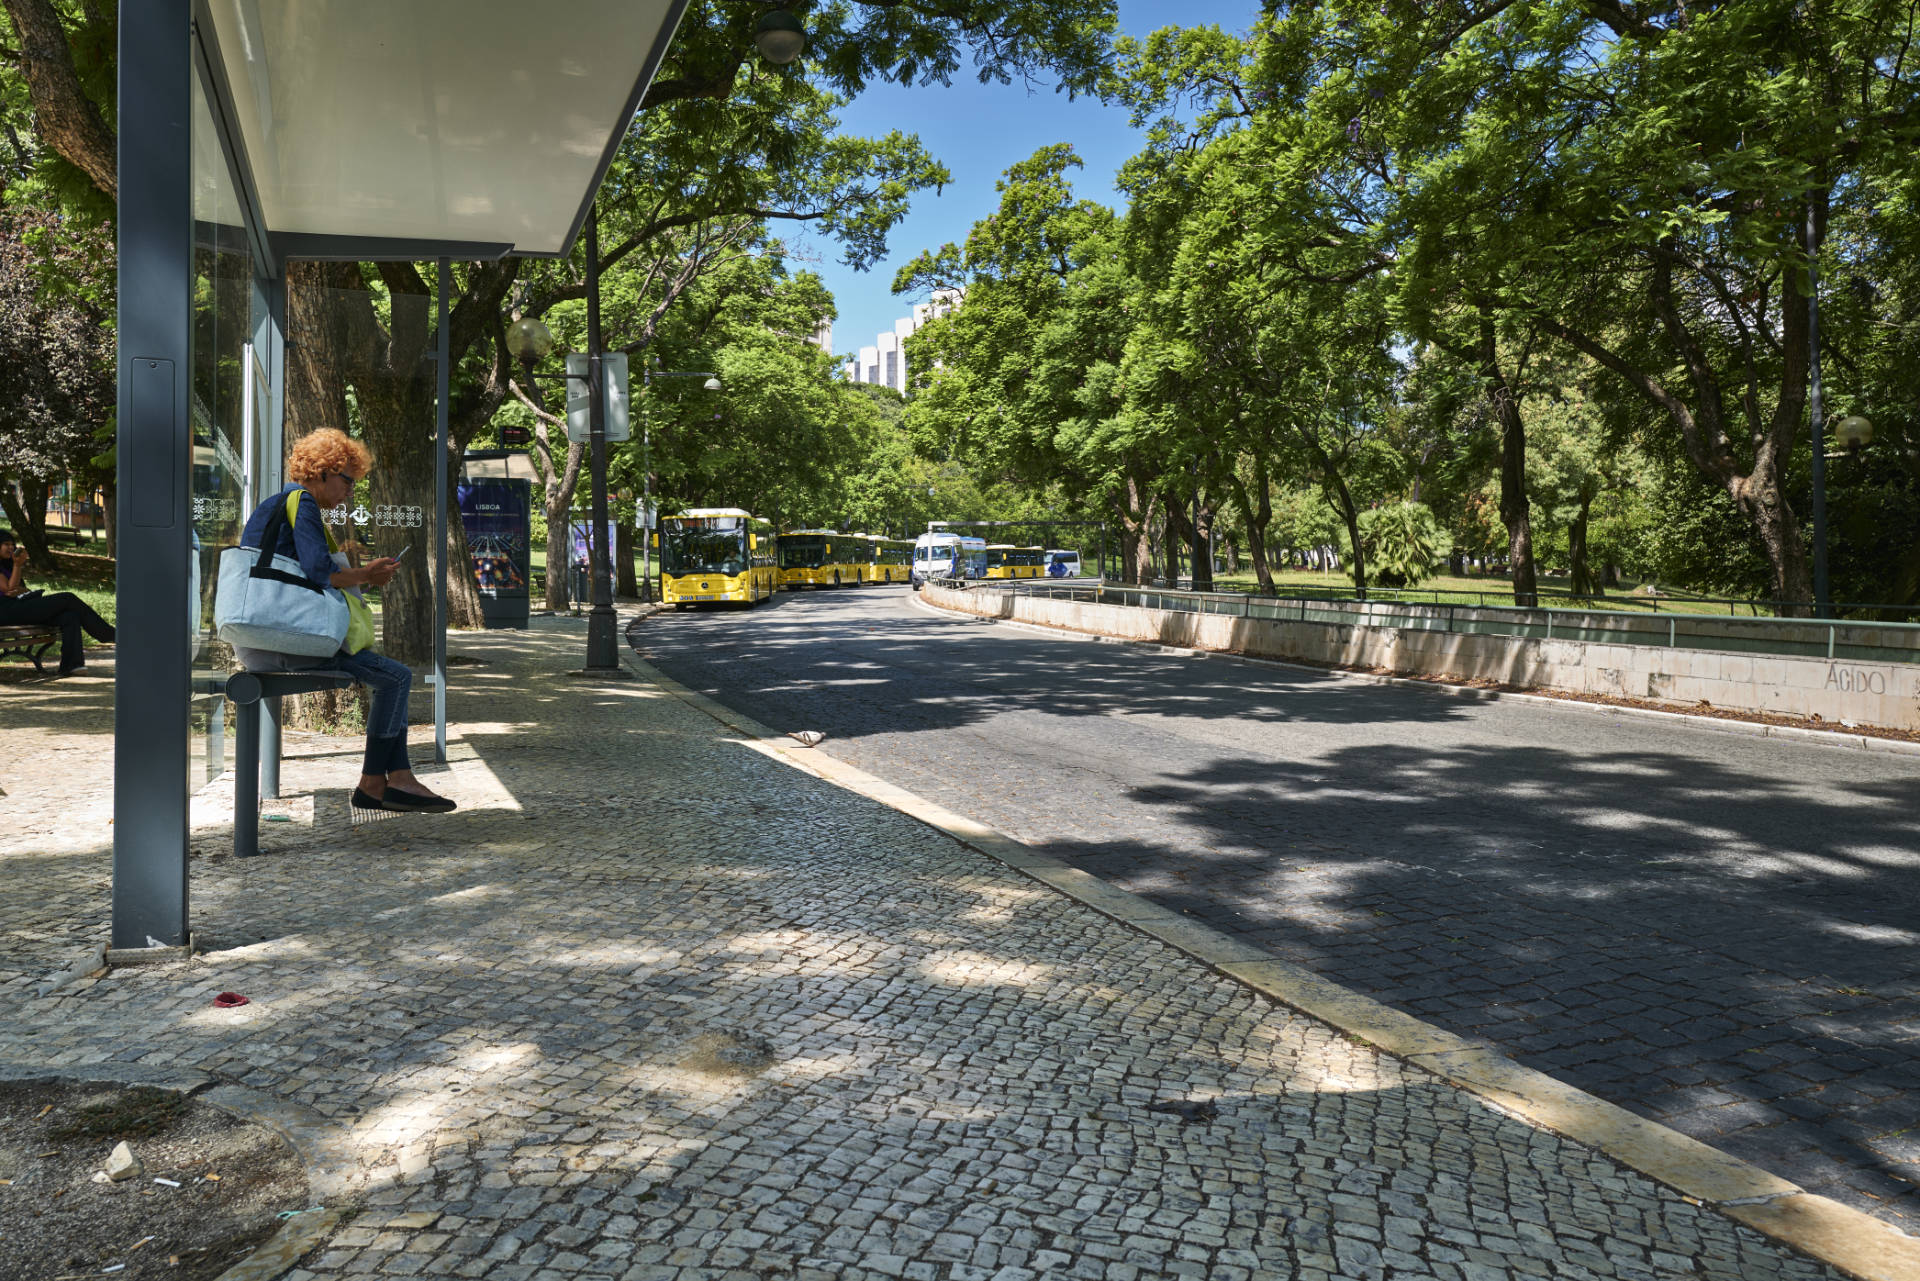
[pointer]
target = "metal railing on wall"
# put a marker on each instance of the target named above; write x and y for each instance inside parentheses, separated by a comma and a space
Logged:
(1500, 594)
(1798, 637)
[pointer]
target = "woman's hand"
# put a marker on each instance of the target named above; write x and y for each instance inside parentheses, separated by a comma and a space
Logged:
(376, 573)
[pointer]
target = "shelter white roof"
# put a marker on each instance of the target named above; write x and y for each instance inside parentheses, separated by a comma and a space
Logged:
(472, 128)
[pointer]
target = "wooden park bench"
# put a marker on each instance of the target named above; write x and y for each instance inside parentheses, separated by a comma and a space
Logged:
(30, 641)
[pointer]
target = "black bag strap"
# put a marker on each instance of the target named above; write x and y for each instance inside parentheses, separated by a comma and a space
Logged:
(270, 544)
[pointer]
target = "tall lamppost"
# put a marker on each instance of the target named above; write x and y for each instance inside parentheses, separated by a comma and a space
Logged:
(647, 375)
(1854, 432)
(780, 38)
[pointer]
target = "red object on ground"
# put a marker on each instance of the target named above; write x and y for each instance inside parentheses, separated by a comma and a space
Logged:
(229, 1001)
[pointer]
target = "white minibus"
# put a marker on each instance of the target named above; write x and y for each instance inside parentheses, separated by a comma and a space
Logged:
(938, 554)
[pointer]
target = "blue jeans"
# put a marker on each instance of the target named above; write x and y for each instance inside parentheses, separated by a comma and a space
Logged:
(388, 681)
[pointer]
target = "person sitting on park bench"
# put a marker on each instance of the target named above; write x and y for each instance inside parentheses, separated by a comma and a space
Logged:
(64, 610)
(325, 466)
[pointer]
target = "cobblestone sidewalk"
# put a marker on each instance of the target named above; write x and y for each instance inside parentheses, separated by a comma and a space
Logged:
(652, 1005)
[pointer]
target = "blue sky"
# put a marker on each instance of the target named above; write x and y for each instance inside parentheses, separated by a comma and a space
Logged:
(977, 131)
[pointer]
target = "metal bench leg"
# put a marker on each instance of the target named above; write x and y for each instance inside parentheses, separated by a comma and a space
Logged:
(270, 748)
(246, 781)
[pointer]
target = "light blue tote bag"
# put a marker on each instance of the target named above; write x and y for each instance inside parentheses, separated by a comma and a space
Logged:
(265, 601)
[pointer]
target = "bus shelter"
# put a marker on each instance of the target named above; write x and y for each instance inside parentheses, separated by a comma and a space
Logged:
(253, 135)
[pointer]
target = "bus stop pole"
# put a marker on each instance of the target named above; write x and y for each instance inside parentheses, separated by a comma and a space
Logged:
(442, 378)
(152, 675)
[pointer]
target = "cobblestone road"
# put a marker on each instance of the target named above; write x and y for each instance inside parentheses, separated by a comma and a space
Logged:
(1717, 932)
(653, 1005)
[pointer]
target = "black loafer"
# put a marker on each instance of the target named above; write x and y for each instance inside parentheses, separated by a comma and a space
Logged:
(405, 802)
(361, 801)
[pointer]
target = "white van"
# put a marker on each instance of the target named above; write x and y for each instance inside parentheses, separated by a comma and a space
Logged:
(1062, 564)
(939, 554)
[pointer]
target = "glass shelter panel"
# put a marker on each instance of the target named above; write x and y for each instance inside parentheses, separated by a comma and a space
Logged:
(360, 359)
(221, 403)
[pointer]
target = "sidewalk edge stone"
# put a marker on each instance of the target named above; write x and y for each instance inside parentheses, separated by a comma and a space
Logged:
(1854, 1242)
(279, 1252)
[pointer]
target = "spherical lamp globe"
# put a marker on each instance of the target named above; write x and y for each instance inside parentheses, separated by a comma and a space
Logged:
(528, 340)
(779, 36)
(1855, 431)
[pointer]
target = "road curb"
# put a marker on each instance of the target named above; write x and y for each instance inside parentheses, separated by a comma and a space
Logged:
(1850, 1240)
(299, 1127)
(1836, 738)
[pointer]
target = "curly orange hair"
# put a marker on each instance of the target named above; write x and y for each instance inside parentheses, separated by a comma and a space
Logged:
(328, 449)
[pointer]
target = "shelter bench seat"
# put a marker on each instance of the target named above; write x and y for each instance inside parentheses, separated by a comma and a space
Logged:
(30, 641)
(248, 692)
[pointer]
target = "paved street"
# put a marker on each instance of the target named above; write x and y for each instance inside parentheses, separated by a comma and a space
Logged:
(1712, 930)
(658, 1007)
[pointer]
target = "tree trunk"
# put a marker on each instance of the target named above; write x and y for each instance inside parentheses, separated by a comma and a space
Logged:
(398, 415)
(1342, 497)
(1258, 516)
(1515, 509)
(316, 397)
(110, 516)
(1257, 548)
(1759, 498)
(26, 508)
(625, 584)
(1136, 522)
(1583, 582)
(1176, 533)
(559, 507)
(1200, 545)
(463, 594)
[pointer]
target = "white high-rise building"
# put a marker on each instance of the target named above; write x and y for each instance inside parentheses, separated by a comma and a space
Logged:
(885, 362)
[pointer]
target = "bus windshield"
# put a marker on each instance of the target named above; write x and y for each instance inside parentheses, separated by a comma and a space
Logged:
(702, 551)
(802, 553)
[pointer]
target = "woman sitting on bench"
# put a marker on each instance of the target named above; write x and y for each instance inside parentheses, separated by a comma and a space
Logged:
(325, 465)
(63, 610)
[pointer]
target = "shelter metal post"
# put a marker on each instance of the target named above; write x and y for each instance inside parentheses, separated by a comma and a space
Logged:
(151, 679)
(442, 379)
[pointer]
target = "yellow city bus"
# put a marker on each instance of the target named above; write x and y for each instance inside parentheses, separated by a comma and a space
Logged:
(713, 554)
(820, 558)
(1007, 561)
(892, 560)
(865, 557)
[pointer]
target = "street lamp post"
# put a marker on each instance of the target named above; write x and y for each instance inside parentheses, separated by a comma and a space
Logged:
(780, 38)
(529, 340)
(1822, 602)
(603, 654)
(1854, 432)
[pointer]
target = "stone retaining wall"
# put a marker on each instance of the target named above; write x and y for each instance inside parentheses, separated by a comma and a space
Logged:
(1836, 690)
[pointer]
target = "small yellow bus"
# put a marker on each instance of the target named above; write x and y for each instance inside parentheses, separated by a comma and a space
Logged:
(716, 554)
(820, 558)
(1007, 561)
